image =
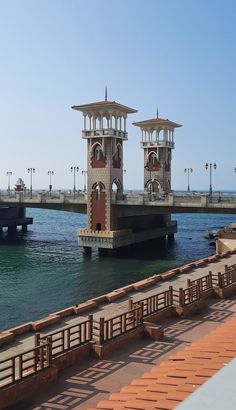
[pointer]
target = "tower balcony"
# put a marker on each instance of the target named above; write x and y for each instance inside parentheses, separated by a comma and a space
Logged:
(160, 143)
(104, 132)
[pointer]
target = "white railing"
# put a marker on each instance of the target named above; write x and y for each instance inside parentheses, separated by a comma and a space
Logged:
(194, 200)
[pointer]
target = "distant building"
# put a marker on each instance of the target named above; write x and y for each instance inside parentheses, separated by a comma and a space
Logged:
(20, 185)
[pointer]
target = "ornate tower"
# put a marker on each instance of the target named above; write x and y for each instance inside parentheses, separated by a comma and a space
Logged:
(105, 130)
(157, 143)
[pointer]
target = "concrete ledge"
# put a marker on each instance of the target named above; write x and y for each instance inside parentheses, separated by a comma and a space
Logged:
(186, 268)
(98, 299)
(64, 312)
(144, 283)
(46, 321)
(157, 278)
(161, 315)
(73, 356)
(194, 307)
(168, 275)
(224, 254)
(18, 330)
(201, 262)
(225, 292)
(127, 288)
(83, 307)
(111, 346)
(154, 331)
(115, 295)
(213, 258)
(26, 388)
(6, 337)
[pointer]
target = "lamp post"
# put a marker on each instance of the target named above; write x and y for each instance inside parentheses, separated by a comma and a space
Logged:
(188, 171)
(9, 174)
(74, 170)
(210, 166)
(84, 173)
(50, 173)
(31, 171)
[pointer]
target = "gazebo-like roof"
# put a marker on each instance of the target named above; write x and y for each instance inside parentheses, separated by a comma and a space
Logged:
(104, 105)
(156, 121)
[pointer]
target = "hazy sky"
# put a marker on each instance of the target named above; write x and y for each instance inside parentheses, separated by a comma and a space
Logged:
(177, 54)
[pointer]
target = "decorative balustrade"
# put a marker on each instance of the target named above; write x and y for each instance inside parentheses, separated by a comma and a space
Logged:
(155, 303)
(109, 329)
(68, 338)
(227, 278)
(204, 283)
(27, 363)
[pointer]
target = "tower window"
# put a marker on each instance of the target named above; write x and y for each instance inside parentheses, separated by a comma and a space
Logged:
(98, 155)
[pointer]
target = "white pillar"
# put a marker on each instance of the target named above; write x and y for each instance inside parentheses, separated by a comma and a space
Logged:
(90, 121)
(116, 122)
(84, 121)
(120, 123)
(110, 121)
(142, 134)
(124, 124)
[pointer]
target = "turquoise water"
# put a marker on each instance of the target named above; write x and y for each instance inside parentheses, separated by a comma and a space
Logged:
(44, 270)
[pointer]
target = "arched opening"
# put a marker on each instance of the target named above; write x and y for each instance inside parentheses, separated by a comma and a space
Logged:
(116, 189)
(153, 186)
(98, 159)
(153, 162)
(97, 153)
(117, 157)
(98, 187)
(98, 207)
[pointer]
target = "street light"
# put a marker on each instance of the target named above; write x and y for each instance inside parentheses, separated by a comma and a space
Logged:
(84, 173)
(210, 166)
(188, 171)
(74, 170)
(50, 173)
(31, 171)
(9, 174)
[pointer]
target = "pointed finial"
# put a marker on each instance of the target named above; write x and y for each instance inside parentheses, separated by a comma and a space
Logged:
(157, 113)
(106, 93)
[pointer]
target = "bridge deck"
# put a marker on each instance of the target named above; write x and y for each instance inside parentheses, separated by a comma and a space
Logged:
(129, 204)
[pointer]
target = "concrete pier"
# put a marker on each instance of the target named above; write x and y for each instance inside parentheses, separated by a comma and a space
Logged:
(12, 217)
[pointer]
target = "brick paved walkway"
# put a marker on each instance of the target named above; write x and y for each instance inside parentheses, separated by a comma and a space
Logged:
(83, 386)
(107, 310)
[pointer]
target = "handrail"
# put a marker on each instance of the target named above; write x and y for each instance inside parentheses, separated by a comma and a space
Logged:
(29, 362)
(69, 337)
(154, 303)
(109, 329)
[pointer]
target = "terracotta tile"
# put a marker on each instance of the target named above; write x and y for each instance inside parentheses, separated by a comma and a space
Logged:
(139, 404)
(152, 396)
(133, 389)
(122, 396)
(178, 395)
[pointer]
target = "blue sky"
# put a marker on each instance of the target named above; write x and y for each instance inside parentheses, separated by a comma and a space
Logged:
(177, 54)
